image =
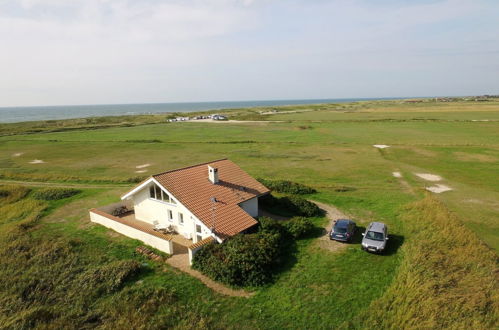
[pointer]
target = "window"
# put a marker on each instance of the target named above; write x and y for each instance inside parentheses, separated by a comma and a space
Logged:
(198, 229)
(170, 215)
(157, 193)
(181, 218)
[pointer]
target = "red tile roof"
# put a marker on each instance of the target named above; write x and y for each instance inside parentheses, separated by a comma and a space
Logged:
(191, 186)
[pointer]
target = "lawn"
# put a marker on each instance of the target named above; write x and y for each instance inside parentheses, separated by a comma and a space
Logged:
(328, 148)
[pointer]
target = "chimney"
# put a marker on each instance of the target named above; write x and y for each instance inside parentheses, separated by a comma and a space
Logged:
(213, 174)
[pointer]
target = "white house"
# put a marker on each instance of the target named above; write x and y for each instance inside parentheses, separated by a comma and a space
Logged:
(203, 202)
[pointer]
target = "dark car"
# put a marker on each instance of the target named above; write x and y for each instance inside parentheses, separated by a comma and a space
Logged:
(343, 230)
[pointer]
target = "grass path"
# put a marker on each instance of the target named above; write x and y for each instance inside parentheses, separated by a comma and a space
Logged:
(63, 185)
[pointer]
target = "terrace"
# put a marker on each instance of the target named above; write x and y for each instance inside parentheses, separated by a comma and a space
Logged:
(125, 223)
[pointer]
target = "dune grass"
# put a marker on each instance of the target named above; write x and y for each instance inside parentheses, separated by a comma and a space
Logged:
(447, 279)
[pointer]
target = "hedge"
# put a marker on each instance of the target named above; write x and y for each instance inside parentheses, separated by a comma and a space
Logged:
(292, 204)
(242, 260)
(251, 259)
(299, 227)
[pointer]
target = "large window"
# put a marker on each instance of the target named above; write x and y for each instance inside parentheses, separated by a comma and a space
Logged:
(157, 193)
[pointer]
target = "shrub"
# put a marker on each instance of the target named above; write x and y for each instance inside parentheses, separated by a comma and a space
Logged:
(289, 187)
(291, 205)
(299, 227)
(242, 260)
(49, 194)
(11, 194)
(269, 225)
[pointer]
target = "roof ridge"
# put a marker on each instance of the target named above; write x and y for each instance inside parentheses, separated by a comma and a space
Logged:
(184, 168)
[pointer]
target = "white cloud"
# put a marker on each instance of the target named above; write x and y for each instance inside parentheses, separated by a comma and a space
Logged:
(114, 51)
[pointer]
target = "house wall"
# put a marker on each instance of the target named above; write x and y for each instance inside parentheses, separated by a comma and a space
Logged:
(155, 242)
(149, 210)
(250, 206)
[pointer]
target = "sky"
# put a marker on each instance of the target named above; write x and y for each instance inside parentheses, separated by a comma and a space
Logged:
(59, 52)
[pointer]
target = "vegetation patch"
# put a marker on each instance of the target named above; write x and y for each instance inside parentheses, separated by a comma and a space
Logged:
(242, 260)
(49, 194)
(11, 194)
(290, 206)
(287, 187)
(447, 279)
(55, 283)
(252, 259)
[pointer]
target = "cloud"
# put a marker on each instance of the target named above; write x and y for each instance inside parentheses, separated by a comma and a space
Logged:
(115, 51)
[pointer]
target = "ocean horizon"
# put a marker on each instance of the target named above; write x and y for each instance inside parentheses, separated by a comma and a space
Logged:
(36, 113)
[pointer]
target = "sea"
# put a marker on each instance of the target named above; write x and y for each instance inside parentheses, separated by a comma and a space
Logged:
(20, 114)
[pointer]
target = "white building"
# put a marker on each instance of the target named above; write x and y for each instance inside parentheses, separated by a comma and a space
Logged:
(195, 204)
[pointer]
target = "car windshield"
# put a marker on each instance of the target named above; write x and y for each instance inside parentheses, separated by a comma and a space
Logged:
(340, 230)
(375, 236)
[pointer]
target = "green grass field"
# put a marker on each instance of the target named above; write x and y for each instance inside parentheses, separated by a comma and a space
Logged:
(440, 271)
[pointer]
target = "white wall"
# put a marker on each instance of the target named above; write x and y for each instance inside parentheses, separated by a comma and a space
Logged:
(149, 210)
(250, 206)
(155, 242)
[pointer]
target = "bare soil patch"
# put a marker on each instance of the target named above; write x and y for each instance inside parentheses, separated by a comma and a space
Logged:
(141, 171)
(381, 146)
(17, 154)
(397, 174)
(429, 177)
(323, 241)
(37, 161)
(143, 165)
(439, 188)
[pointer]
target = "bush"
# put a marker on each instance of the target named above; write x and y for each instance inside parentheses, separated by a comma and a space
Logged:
(299, 227)
(269, 225)
(11, 194)
(242, 260)
(291, 205)
(49, 194)
(289, 187)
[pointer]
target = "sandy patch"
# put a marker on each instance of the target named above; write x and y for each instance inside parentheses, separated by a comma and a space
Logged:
(17, 154)
(143, 166)
(397, 174)
(141, 171)
(381, 146)
(429, 177)
(439, 188)
(36, 161)
(323, 242)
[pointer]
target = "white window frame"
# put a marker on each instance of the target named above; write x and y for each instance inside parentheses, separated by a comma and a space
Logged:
(170, 215)
(180, 219)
